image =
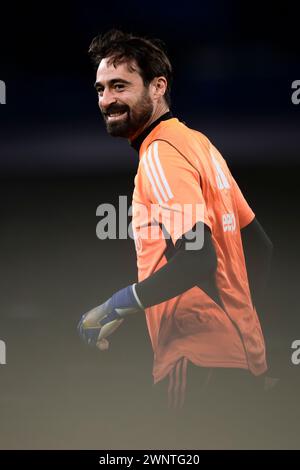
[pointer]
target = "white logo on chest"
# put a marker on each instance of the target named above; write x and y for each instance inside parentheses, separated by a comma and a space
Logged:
(229, 224)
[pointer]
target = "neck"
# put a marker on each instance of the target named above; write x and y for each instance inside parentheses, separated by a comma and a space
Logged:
(136, 143)
(159, 111)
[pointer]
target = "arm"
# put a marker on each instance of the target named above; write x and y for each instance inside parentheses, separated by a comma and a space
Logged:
(258, 250)
(183, 271)
(180, 191)
(257, 247)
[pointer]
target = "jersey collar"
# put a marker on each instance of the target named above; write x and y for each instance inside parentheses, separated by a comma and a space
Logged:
(136, 143)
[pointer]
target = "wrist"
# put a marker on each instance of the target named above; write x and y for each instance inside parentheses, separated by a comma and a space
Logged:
(126, 301)
(137, 297)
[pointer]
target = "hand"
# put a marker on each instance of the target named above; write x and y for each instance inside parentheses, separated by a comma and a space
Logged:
(97, 324)
(100, 322)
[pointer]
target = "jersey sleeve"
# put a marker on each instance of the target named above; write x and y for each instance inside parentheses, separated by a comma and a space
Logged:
(245, 213)
(174, 187)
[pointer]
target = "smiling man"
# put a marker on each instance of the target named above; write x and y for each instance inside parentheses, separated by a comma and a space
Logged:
(131, 113)
(131, 99)
(199, 298)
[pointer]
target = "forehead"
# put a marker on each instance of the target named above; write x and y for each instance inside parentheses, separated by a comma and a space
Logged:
(125, 70)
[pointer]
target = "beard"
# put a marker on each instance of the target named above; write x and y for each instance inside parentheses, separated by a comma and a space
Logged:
(136, 117)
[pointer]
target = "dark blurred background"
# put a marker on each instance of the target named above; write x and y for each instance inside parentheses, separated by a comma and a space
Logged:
(234, 64)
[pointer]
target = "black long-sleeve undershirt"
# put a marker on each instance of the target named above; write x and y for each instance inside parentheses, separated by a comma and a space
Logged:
(183, 271)
(189, 268)
(258, 250)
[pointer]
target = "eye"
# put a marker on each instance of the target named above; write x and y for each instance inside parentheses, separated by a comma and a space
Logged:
(119, 86)
(99, 91)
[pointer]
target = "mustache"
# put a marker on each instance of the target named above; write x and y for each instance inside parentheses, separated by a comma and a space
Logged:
(115, 108)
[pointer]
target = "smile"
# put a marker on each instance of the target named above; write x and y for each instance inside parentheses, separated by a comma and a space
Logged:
(115, 116)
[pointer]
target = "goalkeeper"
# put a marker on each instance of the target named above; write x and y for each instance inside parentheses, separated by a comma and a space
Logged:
(201, 281)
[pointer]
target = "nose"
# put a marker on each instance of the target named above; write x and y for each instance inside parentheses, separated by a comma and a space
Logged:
(106, 99)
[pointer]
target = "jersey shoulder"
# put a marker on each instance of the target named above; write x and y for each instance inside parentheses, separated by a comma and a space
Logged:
(176, 132)
(186, 142)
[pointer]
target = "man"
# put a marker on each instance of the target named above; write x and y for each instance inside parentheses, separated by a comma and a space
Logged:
(201, 278)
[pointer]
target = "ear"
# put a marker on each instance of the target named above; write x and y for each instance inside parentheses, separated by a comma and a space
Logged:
(159, 86)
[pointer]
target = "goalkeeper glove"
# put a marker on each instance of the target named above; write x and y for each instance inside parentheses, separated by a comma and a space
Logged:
(100, 322)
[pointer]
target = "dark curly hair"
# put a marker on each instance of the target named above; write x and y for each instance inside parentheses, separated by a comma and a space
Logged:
(149, 55)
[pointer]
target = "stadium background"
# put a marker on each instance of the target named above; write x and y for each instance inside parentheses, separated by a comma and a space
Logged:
(233, 69)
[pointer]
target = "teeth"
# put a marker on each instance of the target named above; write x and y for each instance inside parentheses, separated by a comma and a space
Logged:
(115, 114)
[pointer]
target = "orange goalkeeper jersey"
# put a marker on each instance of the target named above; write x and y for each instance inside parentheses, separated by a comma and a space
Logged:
(181, 173)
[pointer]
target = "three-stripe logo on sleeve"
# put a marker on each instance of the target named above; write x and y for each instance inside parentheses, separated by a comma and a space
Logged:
(156, 174)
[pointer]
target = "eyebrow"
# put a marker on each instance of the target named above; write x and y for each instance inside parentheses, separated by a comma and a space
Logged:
(112, 82)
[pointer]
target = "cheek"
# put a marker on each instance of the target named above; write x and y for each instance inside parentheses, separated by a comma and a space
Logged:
(152, 92)
(128, 99)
